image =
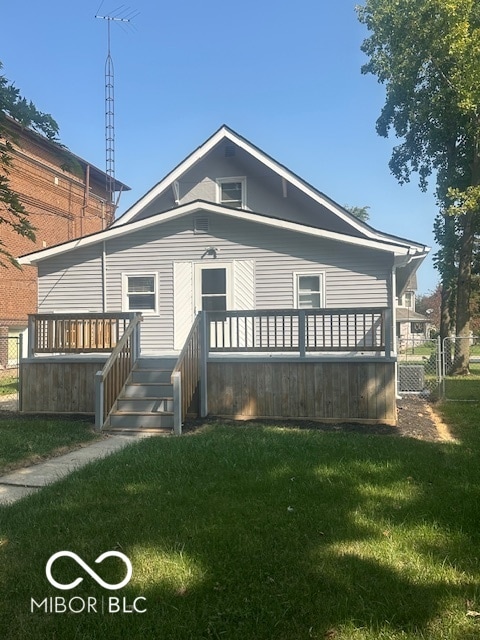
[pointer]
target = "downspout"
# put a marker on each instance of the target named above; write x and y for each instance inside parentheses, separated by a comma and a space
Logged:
(394, 324)
(104, 278)
(85, 198)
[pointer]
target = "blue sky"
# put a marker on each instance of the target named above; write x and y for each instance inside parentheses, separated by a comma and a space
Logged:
(285, 75)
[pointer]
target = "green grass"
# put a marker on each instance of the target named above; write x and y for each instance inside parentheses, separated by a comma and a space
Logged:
(420, 350)
(259, 533)
(464, 387)
(27, 440)
(8, 385)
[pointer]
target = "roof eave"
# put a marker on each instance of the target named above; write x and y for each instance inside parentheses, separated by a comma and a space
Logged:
(399, 250)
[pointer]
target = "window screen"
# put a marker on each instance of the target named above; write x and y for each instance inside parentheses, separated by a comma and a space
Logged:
(231, 194)
(309, 291)
(141, 294)
(214, 289)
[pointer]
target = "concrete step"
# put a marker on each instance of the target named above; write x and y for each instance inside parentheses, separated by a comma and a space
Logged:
(141, 420)
(151, 375)
(156, 362)
(158, 431)
(148, 390)
(145, 404)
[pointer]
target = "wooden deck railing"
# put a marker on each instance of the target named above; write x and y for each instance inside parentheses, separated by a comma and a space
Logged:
(301, 331)
(111, 379)
(186, 374)
(64, 333)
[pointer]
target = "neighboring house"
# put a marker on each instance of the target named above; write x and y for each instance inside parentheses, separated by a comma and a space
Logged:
(230, 230)
(65, 198)
(412, 327)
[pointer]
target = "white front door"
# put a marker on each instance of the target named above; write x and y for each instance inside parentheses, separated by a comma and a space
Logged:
(211, 286)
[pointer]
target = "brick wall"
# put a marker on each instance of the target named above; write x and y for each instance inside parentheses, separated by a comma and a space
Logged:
(60, 209)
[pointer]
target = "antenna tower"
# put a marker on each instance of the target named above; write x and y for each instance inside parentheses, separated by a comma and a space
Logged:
(115, 16)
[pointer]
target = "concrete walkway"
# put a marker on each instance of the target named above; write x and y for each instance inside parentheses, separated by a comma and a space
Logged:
(20, 483)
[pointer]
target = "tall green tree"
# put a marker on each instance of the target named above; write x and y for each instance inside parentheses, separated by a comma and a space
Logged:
(24, 112)
(427, 53)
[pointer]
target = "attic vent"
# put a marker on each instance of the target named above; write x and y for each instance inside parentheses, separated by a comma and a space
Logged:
(229, 150)
(200, 225)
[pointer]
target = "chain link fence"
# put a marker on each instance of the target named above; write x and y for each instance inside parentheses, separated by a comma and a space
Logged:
(427, 368)
(418, 367)
(10, 349)
(462, 388)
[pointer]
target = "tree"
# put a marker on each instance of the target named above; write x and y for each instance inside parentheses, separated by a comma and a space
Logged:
(427, 53)
(429, 304)
(359, 212)
(13, 105)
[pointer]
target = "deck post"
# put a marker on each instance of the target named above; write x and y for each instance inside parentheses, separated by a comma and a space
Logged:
(301, 334)
(203, 365)
(31, 336)
(388, 332)
(136, 343)
(177, 403)
(99, 400)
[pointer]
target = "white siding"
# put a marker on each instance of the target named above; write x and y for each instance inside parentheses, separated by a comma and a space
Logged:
(71, 282)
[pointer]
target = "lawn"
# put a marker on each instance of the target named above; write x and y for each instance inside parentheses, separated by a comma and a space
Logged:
(464, 387)
(258, 533)
(8, 385)
(26, 440)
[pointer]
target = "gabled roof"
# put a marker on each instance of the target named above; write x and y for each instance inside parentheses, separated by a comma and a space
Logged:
(225, 134)
(404, 251)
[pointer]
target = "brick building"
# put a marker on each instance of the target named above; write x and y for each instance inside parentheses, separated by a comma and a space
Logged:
(65, 198)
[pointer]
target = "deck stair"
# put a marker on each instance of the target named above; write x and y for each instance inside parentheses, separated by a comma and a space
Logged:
(146, 403)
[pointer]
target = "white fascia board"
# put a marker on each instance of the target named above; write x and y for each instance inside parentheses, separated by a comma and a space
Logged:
(287, 175)
(273, 165)
(174, 175)
(241, 214)
(290, 177)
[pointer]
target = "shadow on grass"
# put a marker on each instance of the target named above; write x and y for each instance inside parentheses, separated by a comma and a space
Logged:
(257, 533)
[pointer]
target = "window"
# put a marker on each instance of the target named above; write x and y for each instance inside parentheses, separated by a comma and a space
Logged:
(214, 289)
(140, 292)
(232, 192)
(408, 299)
(417, 327)
(309, 290)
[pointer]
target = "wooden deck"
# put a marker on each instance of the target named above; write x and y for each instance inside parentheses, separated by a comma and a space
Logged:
(326, 365)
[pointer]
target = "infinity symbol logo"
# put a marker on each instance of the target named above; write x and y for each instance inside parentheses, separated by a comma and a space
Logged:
(78, 560)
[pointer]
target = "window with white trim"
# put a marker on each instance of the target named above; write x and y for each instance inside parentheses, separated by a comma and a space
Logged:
(140, 292)
(309, 290)
(231, 192)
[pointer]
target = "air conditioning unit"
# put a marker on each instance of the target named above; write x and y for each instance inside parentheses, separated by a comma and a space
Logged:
(411, 378)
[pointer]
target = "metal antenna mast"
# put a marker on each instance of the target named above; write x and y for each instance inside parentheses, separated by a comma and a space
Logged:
(110, 98)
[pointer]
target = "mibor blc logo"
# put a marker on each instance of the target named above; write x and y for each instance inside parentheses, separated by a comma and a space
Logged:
(89, 604)
(84, 565)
